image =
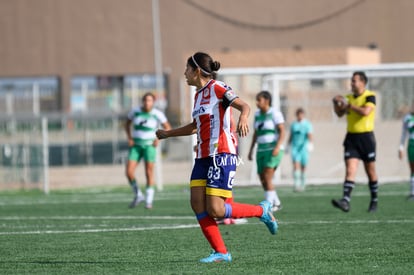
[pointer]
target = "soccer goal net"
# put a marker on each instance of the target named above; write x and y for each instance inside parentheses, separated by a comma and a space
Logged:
(313, 88)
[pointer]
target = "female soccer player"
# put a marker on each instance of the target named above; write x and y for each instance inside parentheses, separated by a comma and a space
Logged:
(300, 141)
(142, 144)
(408, 130)
(216, 157)
(269, 134)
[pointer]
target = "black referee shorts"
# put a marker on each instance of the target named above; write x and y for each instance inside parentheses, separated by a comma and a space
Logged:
(361, 146)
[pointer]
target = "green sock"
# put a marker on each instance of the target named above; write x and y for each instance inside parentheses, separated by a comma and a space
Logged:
(132, 182)
(134, 186)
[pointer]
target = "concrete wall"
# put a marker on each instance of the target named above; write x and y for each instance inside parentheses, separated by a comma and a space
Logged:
(106, 37)
(326, 163)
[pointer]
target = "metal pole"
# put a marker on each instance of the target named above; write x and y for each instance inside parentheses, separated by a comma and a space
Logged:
(158, 72)
(157, 44)
(45, 139)
(35, 103)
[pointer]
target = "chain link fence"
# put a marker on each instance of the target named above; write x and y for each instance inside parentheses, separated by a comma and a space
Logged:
(85, 139)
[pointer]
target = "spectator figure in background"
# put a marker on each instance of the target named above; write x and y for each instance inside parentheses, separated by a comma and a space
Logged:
(142, 142)
(300, 142)
(408, 131)
(269, 133)
(359, 144)
(216, 159)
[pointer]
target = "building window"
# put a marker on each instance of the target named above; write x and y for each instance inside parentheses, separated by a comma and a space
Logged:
(30, 95)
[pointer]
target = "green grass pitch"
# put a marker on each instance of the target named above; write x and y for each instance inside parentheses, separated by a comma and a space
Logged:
(94, 232)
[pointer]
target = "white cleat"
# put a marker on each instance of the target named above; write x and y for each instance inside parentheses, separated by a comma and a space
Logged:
(276, 207)
(137, 200)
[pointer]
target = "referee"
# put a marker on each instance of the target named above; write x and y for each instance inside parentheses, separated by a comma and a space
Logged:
(359, 143)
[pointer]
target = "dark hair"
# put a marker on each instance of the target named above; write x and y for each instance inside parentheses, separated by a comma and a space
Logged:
(205, 63)
(300, 110)
(265, 95)
(361, 75)
(148, 94)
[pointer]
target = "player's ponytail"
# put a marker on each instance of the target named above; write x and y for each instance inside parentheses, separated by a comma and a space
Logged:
(205, 63)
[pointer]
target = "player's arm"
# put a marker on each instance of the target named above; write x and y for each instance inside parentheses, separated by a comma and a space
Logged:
(310, 137)
(166, 126)
(404, 134)
(365, 109)
(242, 124)
(310, 141)
(282, 133)
(186, 130)
(250, 157)
(128, 132)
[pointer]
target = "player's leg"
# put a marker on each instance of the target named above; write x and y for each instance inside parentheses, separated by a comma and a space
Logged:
(411, 196)
(296, 169)
(207, 223)
(149, 191)
(270, 191)
(351, 157)
(410, 154)
(367, 149)
(351, 167)
(296, 176)
(303, 163)
(266, 167)
(217, 207)
(271, 165)
(149, 158)
(228, 221)
(372, 184)
(131, 165)
(219, 186)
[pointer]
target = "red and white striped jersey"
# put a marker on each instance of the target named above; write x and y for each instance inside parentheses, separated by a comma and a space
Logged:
(213, 118)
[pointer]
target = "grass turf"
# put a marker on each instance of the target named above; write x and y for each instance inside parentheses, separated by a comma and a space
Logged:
(93, 232)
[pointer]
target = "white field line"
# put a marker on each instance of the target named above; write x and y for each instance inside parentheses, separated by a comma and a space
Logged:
(195, 225)
(41, 232)
(356, 193)
(22, 218)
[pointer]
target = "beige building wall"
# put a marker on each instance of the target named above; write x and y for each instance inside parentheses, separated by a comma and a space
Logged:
(106, 37)
(291, 57)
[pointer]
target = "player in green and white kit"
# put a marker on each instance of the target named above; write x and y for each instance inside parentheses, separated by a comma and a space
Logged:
(408, 130)
(142, 141)
(269, 134)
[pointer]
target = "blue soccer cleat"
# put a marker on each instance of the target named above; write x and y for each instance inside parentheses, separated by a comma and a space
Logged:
(216, 257)
(268, 218)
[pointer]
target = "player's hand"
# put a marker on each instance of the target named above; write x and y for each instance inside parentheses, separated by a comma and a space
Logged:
(161, 134)
(275, 151)
(400, 154)
(250, 156)
(242, 127)
(130, 142)
(155, 142)
(341, 104)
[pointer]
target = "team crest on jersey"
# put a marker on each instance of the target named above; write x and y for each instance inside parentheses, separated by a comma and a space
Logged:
(206, 92)
(206, 96)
